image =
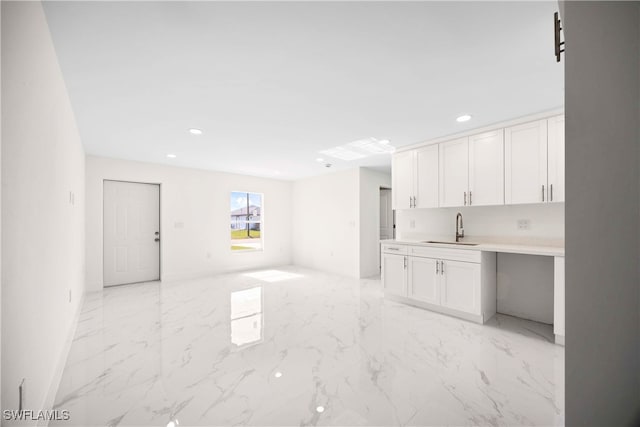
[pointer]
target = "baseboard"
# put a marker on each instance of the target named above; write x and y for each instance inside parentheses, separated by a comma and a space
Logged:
(62, 361)
(560, 340)
(438, 309)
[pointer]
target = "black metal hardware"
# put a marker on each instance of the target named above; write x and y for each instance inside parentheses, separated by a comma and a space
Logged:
(557, 43)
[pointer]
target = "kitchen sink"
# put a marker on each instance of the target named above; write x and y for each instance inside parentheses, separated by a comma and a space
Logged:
(451, 243)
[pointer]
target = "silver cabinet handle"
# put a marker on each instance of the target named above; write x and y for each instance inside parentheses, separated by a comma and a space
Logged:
(405, 263)
(551, 192)
(543, 192)
(470, 200)
(437, 267)
(393, 249)
(465, 198)
(442, 267)
(415, 202)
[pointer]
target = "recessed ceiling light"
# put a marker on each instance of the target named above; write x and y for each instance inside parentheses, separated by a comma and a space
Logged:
(171, 156)
(320, 409)
(194, 131)
(320, 159)
(278, 374)
(173, 423)
(463, 118)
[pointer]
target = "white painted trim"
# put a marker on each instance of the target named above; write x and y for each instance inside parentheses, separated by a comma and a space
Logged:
(62, 362)
(488, 128)
(560, 340)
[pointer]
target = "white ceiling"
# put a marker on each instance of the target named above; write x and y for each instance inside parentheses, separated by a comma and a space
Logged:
(272, 84)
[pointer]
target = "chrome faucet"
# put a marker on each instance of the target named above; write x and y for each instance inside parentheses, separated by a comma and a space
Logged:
(459, 227)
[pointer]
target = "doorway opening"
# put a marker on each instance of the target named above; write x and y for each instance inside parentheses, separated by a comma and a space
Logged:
(387, 218)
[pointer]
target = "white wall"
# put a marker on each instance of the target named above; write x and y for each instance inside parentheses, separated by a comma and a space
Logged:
(369, 213)
(194, 218)
(602, 102)
(43, 232)
(326, 223)
(546, 221)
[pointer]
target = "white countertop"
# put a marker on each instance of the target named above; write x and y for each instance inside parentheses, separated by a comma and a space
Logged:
(528, 246)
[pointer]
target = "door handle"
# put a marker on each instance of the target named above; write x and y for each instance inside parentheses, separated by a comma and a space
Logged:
(543, 192)
(551, 192)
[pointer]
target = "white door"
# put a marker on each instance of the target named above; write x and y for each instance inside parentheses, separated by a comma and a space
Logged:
(423, 281)
(555, 146)
(427, 177)
(131, 232)
(393, 274)
(454, 172)
(486, 168)
(402, 179)
(460, 286)
(386, 214)
(525, 150)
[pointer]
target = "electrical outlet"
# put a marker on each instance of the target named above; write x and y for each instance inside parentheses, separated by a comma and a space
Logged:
(524, 224)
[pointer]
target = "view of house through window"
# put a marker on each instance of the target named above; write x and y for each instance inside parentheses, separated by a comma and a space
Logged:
(246, 221)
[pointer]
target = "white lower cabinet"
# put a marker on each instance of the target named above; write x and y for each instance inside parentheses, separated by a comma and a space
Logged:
(453, 281)
(394, 276)
(558, 299)
(424, 281)
(461, 286)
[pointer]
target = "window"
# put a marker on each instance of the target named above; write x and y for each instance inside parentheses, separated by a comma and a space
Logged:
(246, 221)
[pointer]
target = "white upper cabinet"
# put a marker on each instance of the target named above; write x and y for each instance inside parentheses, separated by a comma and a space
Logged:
(454, 172)
(486, 169)
(555, 145)
(518, 164)
(402, 177)
(525, 149)
(426, 177)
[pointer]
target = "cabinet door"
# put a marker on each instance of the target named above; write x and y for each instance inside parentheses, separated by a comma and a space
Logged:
(558, 296)
(525, 149)
(394, 276)
(460, 286)
(402, 179)
(423, 281)
(555, 147)
(427, 177)
(454, 172)
(486, 168)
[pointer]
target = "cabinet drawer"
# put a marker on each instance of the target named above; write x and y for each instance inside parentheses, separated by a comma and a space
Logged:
(465, 255)
(394, 249)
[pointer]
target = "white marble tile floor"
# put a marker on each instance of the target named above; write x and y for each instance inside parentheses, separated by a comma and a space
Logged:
(297, 347)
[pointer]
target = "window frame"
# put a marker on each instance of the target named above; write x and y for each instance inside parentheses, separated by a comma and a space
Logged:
(261, 222)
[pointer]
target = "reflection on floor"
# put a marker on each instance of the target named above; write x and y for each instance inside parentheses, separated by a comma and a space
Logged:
(300, 347)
